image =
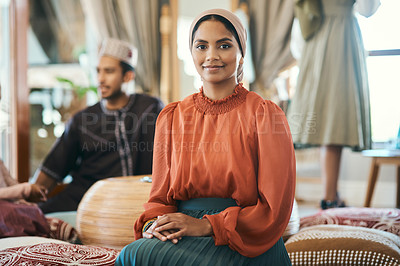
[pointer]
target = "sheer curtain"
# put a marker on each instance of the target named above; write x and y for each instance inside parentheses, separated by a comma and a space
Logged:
(270, 28)
(135, 21)
(59, 28)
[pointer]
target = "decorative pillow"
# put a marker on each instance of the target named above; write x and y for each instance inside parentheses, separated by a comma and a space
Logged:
(22, 220)
(378, 218)
(58, 254)
(18, 241)
(343, 245)
(62, 230)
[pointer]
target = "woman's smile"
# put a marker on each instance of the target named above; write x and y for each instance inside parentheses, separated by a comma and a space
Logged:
(213, 68)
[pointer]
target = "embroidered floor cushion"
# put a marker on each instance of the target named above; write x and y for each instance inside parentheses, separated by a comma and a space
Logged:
(57, 254)
(343, 245)
(18, 241)
(385, 219)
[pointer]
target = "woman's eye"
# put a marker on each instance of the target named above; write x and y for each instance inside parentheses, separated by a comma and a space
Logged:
(225, 46)
(201, 47)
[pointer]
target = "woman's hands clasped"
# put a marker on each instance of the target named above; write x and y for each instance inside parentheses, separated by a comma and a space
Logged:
(173, 226)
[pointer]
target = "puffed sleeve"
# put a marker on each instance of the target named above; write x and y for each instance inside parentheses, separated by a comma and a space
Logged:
(159, 202)
(64, 153)
(252, 230)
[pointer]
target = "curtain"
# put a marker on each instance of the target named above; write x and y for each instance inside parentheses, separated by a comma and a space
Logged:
(270, 28)
(59, 28)
(137, 22)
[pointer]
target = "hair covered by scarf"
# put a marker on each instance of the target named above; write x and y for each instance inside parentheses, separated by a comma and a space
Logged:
(237, 25)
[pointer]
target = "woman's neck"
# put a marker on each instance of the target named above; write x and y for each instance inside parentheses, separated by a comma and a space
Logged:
(218, 91)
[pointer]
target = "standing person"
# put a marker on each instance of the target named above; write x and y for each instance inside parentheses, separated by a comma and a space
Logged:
(111, 138)
(331, 108)
(224, 166)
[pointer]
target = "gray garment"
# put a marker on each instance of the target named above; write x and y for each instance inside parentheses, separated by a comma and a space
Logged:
(331, 102)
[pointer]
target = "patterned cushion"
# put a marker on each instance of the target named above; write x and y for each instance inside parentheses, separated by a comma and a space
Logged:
(378, 218)
(62, 230)
(18, 241)
(58, 254)
(343, 245)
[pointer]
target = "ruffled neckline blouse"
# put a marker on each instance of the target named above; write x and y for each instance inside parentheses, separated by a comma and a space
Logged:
(215, 107)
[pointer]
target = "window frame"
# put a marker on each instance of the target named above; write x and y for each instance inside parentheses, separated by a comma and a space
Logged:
(18, 149)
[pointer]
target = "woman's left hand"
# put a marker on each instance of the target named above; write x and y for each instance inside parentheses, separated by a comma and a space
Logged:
(180, 225)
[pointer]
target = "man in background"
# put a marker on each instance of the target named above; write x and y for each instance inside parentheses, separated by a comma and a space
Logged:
(111, 138)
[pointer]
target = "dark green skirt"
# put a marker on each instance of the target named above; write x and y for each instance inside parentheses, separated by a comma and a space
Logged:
(195, 251)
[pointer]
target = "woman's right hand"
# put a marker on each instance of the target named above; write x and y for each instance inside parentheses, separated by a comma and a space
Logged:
(161, 235)
(173, 226)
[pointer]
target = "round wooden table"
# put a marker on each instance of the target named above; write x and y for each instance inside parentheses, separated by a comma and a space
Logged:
(380, 157)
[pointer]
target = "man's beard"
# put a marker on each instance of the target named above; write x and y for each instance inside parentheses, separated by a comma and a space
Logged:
(114, 95)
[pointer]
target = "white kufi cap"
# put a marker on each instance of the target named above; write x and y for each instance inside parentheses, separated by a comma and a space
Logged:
(120, 50)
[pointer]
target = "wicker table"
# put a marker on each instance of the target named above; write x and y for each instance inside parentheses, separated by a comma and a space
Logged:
(108, 210)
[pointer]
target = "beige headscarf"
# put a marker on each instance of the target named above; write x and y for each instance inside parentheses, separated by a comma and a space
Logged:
(237, 24)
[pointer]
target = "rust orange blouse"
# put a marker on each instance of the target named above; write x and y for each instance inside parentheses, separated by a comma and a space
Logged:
(239, 147)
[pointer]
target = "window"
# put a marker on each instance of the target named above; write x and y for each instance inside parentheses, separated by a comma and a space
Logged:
(56, 49)
(382, 41)
(5, 90)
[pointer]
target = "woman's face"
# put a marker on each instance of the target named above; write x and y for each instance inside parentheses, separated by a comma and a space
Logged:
(216, 53)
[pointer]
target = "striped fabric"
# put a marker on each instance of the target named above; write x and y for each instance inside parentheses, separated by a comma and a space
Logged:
(195, 251)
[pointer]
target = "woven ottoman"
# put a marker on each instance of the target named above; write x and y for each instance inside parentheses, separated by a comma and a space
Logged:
(343, 245)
